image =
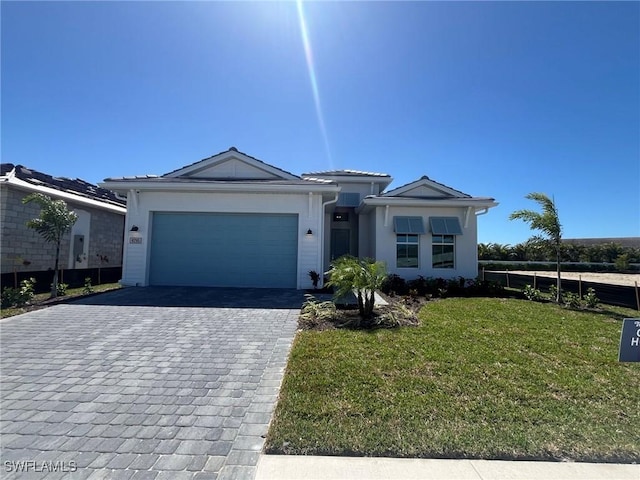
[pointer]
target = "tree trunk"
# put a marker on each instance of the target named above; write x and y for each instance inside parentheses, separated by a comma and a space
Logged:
(370, 299)
(360, 304)
(559, 283)
(54, 285)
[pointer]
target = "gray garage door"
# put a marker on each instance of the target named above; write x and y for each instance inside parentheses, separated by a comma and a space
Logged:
(220, 250)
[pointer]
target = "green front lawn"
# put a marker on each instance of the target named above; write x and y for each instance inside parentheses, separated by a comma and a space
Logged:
(480, 378)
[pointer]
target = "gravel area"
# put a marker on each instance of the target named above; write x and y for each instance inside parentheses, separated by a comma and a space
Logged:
(626, 279)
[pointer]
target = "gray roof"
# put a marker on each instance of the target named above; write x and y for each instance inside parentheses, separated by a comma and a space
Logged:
(346, 173)
(156, 179)
(63, 184)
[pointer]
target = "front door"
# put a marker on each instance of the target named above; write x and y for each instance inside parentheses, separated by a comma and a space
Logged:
(340, 242)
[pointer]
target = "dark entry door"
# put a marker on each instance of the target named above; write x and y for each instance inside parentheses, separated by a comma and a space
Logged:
(340, 243)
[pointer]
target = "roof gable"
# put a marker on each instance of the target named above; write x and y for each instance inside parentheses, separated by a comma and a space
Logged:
(231, 165)
(425, 188)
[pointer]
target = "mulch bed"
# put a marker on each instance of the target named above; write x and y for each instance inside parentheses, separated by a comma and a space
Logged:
(400, 311)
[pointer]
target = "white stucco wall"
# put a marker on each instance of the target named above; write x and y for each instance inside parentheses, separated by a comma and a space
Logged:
(140, 213)
(466, 251)
(366, 235)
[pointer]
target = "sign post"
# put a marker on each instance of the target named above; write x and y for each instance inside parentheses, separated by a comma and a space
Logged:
(630, 340)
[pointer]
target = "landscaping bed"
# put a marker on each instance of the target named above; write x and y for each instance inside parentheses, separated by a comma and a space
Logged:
(43, 300)
(491, 378)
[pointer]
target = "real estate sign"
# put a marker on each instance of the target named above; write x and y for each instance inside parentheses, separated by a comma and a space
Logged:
(630, 340)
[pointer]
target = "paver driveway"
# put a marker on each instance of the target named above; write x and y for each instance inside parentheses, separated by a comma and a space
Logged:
(144, 383)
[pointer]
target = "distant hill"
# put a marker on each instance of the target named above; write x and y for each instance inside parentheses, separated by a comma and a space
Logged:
(633, 242)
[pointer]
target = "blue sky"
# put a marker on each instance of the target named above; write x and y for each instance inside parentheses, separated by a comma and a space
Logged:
(492, 98)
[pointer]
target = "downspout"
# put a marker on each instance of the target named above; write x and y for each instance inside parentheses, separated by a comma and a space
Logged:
(322, 210)
(466, 217)
(481, 212)
(133, 195)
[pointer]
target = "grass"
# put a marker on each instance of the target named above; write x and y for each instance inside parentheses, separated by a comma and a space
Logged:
(479, 378)
(42, 300)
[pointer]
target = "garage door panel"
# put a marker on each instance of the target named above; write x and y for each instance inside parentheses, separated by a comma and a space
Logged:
(224, 250)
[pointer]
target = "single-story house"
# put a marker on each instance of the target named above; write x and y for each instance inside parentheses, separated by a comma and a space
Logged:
(234, 220)
(95, 240)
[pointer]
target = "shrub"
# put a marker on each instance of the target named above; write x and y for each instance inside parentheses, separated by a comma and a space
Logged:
(88, 288)
(314, 311)
(571, 300)
(394, 285)
(315, 278)
(318, 309)
(590, 299)
(532, 294)
(397, 317)
(61, 289)
(18, 297)
(420, 285)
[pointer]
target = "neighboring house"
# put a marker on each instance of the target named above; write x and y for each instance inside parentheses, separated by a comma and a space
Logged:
(95, 239)
(233, 220)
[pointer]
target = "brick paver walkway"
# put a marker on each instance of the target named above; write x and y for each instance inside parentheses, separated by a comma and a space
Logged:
(169, 392)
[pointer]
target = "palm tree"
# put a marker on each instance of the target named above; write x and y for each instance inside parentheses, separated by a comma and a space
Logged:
(547, 223)
(484, 251)
(54, 221)
(361, 276)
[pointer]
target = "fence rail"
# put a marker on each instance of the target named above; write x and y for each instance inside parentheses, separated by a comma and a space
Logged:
(623, 296)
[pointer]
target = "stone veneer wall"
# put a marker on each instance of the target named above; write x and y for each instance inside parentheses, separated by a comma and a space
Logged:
(17, 240)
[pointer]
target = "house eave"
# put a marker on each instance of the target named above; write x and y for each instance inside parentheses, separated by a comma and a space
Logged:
(243, 187)
(478, 203)
(384, 181)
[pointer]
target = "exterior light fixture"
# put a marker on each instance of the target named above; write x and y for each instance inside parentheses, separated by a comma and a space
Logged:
(309, 233)
(134, 235)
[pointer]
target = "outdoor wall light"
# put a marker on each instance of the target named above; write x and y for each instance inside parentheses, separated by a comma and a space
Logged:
(134, 235)
(309, 233)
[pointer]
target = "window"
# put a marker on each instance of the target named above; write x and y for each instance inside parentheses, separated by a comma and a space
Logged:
(348, 199)
(407, 250)
(443, 250)
(408, 225)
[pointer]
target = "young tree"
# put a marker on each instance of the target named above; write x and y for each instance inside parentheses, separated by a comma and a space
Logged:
(547, 223)
(362, 276)
(54, 221)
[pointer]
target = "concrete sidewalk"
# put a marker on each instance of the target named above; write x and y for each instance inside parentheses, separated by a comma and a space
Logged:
(291, 467)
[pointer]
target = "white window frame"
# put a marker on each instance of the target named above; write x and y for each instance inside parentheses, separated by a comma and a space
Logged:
(404, 239)
(441, 241)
